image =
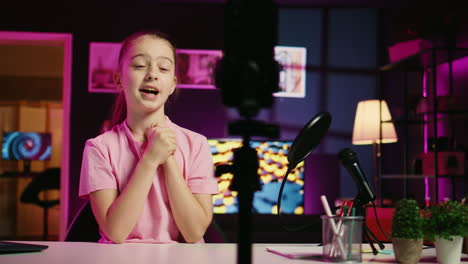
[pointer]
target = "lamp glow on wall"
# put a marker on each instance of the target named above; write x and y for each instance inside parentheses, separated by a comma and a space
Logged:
(373, 125)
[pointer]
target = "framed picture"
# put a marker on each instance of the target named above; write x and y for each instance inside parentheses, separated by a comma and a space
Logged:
(103, 60)
(195, 68)
(292, 62)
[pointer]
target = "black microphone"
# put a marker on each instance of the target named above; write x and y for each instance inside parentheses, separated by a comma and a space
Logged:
(365, 192)
(350, 162)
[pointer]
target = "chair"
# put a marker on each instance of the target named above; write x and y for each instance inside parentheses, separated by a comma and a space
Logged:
(214, 233)
(84, 228)
(49, 179)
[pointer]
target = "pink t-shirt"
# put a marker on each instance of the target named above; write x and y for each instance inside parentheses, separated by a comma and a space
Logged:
(110, 158)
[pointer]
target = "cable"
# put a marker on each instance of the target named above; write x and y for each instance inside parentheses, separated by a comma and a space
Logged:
(278, 210)
(378, 222)
(381, 245)
(286, 227)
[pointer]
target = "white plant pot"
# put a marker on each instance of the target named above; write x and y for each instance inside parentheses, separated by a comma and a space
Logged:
(449, 251)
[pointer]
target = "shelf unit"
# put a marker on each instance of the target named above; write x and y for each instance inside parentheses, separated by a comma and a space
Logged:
(426, 61)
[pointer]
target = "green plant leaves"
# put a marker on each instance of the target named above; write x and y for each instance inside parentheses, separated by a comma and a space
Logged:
(446, 220)
(407, 221)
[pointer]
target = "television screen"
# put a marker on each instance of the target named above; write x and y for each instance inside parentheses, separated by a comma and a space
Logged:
(272, 158)
(26, 146)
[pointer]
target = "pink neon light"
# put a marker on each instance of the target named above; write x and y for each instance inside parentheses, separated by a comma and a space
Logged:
(459, 68)
(424, 84)
(54, 39)
(67, 69)
(427, 195)
(426, 136)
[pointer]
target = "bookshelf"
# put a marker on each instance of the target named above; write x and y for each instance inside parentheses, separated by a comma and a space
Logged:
(433, 113)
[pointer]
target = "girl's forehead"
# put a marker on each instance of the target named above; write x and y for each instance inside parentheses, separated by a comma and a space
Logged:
(150, 46)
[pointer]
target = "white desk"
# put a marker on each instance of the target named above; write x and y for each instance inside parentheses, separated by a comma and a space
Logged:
(84, 253)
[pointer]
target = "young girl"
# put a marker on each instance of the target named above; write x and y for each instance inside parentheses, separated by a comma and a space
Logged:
(148, 180)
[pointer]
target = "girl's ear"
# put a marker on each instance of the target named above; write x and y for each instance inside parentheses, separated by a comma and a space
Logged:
(117, 80)
(175, 84)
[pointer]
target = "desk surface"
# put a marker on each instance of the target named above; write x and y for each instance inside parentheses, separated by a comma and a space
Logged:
(132, 253)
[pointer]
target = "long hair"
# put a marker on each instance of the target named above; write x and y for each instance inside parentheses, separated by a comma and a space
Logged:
(119, 109)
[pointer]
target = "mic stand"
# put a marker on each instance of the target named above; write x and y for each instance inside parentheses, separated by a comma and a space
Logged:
(367, 232)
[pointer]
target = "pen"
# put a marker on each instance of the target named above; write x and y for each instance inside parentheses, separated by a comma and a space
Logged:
(345, 210)
(351, 239)
(342, 213)
(326, 207)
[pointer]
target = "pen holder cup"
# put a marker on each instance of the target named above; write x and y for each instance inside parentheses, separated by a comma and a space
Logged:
(342, 238)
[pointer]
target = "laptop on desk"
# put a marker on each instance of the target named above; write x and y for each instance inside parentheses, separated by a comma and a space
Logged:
(16, 247)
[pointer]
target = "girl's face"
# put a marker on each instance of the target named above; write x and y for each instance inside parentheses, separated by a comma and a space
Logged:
(147, 74)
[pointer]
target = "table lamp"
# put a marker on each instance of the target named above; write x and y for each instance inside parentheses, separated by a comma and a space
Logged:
(372, 125)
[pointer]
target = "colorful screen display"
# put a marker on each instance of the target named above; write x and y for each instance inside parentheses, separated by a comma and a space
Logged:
(272, 158)
(26, 146)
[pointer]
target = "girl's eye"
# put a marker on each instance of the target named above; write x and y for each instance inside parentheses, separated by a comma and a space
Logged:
(164, 69)
(138, 66)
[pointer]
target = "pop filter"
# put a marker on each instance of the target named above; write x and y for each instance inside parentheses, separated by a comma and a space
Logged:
(308, 139)
(305, 143)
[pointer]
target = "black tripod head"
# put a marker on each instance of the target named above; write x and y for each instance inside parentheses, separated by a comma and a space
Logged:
(248, 74)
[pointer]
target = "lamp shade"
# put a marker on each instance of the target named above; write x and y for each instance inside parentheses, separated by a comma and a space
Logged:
(367, 123)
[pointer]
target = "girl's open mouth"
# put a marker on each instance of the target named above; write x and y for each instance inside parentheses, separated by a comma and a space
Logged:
(149, 91)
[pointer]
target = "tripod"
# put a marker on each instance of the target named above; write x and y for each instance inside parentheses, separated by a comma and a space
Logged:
(246, 181)
(248, 75)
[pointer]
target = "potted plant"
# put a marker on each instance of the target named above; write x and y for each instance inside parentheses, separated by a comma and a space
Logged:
(446, 224)
(407, 231)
